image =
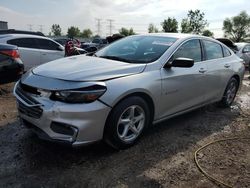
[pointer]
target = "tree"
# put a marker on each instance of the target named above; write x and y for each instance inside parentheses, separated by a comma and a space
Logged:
(152, 28)
(208, 33)
(73, 32)
(86, 33)
(194, 23)
(126, 32)
(238, 27)
(170, 25)
(56, 30)
(96, 36)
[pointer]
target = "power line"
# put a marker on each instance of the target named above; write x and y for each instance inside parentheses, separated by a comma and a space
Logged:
(41, 28)
(30, 26)
(110, 26)
(98, 25)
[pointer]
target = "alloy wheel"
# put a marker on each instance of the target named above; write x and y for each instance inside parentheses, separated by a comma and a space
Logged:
(231, 92)
(131, 123)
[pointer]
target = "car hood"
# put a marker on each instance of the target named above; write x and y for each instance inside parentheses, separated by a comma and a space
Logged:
(87, 68)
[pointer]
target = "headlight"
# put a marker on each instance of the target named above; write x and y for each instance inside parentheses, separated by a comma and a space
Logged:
(78, 96)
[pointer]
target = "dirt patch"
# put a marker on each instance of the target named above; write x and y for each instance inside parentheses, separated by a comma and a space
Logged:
(164, 157)
(228, 161)
(8, 111)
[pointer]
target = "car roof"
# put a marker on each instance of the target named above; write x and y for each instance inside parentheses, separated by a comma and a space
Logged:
(22, 36)
(241, 44)
(174, 35)
(14, 31)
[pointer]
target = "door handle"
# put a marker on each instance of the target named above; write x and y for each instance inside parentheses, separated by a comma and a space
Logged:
(202, 70)
(226, 65)
(44, 54)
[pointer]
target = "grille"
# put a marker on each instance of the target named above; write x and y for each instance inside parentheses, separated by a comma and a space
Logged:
(35, 111)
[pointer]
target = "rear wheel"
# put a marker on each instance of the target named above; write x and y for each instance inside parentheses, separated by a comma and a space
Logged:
(126, 123)
(229, 93)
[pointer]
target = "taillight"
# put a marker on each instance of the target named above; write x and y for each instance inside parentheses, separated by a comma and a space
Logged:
(11, 53)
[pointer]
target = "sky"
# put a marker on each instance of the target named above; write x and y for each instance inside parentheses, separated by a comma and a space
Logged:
(138, 14)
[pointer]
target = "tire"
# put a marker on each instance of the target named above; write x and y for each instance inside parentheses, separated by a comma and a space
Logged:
(230, 93)
(126, 123)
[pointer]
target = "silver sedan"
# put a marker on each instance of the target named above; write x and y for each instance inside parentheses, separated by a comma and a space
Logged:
(244, 52)
(126, 87)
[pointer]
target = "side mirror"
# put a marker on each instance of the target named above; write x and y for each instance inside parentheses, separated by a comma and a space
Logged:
(60, 48)
(180, 62)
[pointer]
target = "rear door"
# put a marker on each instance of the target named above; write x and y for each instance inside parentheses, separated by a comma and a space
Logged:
(29, 51)
(49, 50)
(219, 69)
(184, 88)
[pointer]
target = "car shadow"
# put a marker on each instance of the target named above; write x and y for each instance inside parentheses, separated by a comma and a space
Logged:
(53, 165)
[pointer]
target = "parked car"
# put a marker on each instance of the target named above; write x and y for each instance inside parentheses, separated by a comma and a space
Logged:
(14, 31)
(240, 49)
(61, 41)
(11, 66)
(228, 43)
(244, 52)
(125, 87)
(97, 43)
(34, 49)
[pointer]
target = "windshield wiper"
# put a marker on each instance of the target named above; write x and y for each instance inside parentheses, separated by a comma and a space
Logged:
(116, 58)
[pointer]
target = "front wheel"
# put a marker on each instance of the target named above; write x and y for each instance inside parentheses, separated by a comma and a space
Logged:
(229, 93)
(126, 123)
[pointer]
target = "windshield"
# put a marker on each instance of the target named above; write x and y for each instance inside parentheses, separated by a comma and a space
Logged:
(137, 49)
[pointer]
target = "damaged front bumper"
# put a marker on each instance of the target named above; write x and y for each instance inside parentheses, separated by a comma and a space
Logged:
(75, 124)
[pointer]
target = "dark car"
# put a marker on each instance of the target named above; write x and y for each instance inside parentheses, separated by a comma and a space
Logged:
(229, 44)
(96, 44)
(61, 41)
(11, 66)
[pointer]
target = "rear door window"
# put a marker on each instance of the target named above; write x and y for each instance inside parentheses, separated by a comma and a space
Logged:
(212, 50)
(226, 52)
(24, 42)
(47, 44)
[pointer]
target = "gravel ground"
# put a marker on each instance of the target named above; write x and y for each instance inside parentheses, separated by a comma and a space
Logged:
(164, 157)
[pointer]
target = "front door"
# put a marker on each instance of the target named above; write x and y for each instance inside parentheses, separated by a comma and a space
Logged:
(184, 88)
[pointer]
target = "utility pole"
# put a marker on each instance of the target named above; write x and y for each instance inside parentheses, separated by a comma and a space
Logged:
(30, 26)
(110, 26)
(98, 25)
(41, 28)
